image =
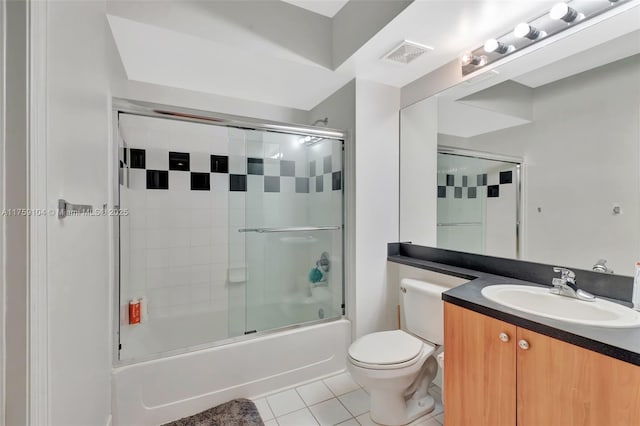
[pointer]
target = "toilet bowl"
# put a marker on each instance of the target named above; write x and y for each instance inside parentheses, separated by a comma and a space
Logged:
(393, 366)
(396, 367)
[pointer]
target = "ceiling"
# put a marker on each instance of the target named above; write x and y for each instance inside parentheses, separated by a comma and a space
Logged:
(328, 8)
(280, 53)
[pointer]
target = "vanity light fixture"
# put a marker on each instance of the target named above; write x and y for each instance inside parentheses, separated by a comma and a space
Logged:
(470, 59)
(524, 30)
(562, 11)
(562, 16)
(492, 45)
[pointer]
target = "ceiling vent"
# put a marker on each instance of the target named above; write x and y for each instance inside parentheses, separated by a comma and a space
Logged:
(406, 52)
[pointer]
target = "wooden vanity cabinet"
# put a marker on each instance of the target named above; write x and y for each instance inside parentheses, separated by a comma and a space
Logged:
(497, 374)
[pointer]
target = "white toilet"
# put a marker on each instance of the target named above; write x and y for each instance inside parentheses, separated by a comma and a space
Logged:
(396, 367)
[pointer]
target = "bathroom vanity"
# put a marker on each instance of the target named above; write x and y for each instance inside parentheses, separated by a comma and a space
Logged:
(507, 367)
(507, 375)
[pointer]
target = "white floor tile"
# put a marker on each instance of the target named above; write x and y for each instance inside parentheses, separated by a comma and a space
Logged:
(357, 402)
(438, 409)
(350, 422)
(420, 420)
(314, 393)
(341, 384)
(285, 402)
(365, 420)
(298, 418)
(439, 417)
(271, 422)
(263, 409)
(429, 421)
(329, 413)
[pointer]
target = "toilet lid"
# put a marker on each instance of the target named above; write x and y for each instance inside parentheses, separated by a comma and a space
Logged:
(386, 347)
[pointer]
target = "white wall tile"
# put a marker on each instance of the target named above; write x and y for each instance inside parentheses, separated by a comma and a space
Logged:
(237, 164)
(200, 274)
(199, 237)
(179, 295)
(200, 293)
(220, 182)
(271, 167)
(179, 180)
(156, 159)
(158, 277)
(200, 255)
(288, 184)
(200, 162)
(179, 275)
(137, 181)
(180, 256)
(157, 258)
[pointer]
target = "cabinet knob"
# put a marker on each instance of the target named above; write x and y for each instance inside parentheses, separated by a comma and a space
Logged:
(523, 344)
(504, 337)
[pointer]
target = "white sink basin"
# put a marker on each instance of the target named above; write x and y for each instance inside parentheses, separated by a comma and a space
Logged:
(539, 301)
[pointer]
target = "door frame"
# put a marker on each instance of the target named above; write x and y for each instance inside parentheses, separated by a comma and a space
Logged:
(38, 352)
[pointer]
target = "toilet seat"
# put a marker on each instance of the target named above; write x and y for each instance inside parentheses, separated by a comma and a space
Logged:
(387, 350)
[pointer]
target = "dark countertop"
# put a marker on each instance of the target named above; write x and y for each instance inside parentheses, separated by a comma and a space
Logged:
(619, 343)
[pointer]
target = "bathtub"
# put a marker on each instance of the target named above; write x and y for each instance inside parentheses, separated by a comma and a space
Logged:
(162, 390)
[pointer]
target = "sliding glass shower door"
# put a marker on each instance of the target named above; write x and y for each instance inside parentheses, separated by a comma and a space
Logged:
(228, 232)
(286, 231)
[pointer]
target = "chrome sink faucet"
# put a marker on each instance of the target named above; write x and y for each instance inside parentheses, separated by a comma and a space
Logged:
(566, 286)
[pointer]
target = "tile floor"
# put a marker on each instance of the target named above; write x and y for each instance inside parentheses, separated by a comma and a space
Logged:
(336, 400)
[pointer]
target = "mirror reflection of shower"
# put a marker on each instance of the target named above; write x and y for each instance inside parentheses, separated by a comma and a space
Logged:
(478, 204)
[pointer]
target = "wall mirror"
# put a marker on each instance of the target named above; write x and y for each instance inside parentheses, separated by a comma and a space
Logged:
(536, 159)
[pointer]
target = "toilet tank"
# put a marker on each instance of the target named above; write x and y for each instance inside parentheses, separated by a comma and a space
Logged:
(422, 309)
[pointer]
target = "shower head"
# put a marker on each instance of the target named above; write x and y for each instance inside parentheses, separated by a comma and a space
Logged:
(324, 121)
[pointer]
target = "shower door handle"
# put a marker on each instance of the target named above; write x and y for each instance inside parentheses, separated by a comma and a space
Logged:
(291, 229)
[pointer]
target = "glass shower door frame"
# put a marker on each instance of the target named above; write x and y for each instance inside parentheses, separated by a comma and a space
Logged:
(518, 180)
(171, 112)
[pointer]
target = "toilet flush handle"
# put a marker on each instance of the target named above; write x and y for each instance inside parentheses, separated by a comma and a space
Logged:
(504, 337)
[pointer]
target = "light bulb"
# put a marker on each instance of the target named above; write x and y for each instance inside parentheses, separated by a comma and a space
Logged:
(470, 59)
(524, 30)
(493, 45)
(564, 12)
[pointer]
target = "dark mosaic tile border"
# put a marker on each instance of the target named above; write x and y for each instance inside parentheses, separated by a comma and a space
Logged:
(135, 158)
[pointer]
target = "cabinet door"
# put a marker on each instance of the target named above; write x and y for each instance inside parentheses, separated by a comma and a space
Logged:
(479, 369)
(560, 384)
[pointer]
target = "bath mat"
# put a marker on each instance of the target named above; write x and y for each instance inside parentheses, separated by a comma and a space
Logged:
(237, 412)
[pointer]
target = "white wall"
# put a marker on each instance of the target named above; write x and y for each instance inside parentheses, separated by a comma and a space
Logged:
(121, 87)
(2, 206)
(419, 159)
(581, 154)
(340, 109)
(376, 195)
(14, 181)
(83, 73)
(78, 110)
(349, 37)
